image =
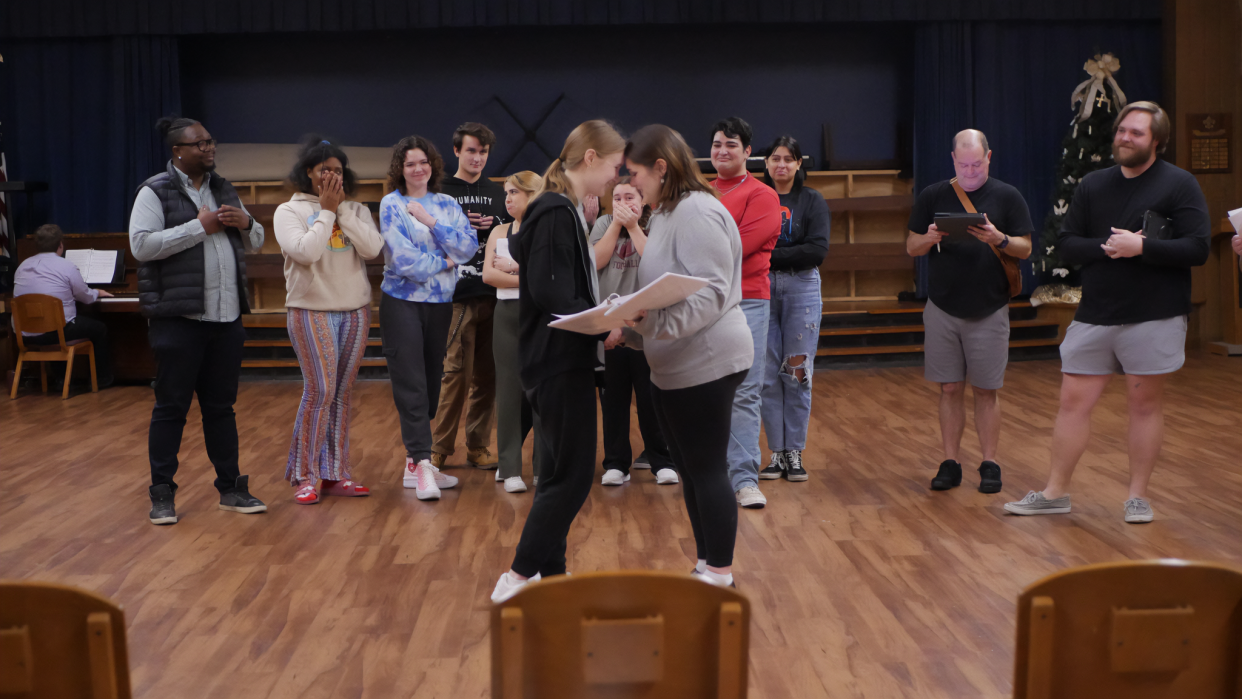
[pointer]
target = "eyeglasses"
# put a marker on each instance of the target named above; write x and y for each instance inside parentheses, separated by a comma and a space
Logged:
(204, 146)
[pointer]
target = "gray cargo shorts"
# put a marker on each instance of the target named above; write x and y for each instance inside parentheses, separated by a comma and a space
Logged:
(1139, 349)
(957, 348)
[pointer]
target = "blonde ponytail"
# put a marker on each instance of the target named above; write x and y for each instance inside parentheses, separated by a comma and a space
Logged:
(597, 135)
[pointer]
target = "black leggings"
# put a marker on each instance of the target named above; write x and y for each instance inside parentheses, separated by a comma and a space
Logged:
(565, 406)
(626, 373)
(695, 422)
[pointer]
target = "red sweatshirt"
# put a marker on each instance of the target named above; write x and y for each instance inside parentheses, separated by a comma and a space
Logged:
(757, 210)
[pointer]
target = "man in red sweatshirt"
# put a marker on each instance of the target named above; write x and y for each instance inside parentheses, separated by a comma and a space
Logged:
(757, 210)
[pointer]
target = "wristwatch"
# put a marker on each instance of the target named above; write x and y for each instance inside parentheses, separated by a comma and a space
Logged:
(1004, 243)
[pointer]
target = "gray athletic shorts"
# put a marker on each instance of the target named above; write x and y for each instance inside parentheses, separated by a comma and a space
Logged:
(954, 348)
(1138, 349)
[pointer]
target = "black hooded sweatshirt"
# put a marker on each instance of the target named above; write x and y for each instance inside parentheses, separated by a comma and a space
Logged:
(554, 263)
(482, 197)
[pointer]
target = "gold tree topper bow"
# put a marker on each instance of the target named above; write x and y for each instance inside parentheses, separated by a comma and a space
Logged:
(1091, 90)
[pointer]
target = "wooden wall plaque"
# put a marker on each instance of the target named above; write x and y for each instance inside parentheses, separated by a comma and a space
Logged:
(1211, 137)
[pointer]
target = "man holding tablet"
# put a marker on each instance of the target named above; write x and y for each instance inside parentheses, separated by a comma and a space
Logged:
(966, 321)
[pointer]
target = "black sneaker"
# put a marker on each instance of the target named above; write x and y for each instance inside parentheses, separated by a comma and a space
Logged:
(240, 500)
(642, 461)
(162, 509)
(989, 477)
(949, 475)
(793, 466)
(775, 467)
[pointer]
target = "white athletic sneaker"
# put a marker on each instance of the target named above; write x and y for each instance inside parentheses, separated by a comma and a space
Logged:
(750, 497)
(716, 579)
(498, 478)
(508, 586)
(515, 485)
(613, 476)
(667, 476)
(442, 481)
(422, 478)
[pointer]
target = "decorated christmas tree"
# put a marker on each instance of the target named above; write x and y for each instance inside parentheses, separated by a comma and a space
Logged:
(1086, 148)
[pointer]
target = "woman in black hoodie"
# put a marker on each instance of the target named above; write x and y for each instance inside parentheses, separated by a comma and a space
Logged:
(558, 366)
(796, 308)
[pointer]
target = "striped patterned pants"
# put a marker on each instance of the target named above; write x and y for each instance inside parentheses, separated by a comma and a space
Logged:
(329, 345)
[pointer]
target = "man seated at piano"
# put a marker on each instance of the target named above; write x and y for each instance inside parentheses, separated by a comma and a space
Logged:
(48, 272)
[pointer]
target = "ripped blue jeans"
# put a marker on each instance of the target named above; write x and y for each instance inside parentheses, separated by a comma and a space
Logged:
(793, 333)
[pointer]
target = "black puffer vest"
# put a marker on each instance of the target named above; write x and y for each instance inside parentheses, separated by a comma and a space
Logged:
(173, 286)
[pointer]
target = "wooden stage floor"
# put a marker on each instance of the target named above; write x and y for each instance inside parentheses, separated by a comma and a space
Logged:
(864, 583)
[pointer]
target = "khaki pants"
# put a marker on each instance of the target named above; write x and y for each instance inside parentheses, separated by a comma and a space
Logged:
(468, 368)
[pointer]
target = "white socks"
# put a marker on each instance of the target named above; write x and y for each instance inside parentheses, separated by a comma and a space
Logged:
(701, 566)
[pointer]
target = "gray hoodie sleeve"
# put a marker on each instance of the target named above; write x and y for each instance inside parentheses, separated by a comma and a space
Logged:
(702, 248)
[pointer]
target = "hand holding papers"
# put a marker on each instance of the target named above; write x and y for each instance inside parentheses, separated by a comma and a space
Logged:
(615, 310)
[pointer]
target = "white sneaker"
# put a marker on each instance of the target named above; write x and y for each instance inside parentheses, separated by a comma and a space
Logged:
(422, 478)
(613, 476)
(442, 481)
(535, 481)
(508, 586)
(716, 579)
(498, 478)
(750, 497)
(515, 485)
(667, 476)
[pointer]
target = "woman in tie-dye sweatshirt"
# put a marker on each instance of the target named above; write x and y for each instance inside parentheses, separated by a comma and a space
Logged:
(426, 236)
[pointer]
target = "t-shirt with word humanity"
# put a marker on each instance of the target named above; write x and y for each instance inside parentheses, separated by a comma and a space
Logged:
(485, 197)
(966, 279)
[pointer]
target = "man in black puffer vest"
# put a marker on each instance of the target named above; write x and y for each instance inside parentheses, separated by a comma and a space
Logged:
(191, 233)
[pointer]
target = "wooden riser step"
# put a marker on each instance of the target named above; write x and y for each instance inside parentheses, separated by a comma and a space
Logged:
(887, 329)
(914, 349)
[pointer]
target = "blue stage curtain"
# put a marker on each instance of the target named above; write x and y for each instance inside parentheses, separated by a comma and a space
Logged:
(50, 18)
(80, 115)
(1013, 82)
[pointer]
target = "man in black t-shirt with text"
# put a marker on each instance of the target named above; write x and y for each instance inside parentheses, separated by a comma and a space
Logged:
(1135, 301)
(469, 371)
(966, 320)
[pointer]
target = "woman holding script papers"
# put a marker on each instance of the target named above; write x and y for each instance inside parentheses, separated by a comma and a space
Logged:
(558, 366)
(700, 348)
(619, 239)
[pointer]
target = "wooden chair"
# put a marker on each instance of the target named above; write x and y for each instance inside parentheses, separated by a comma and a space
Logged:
(1135, 629)
(40, 313)
(624, 634)
(60, 642)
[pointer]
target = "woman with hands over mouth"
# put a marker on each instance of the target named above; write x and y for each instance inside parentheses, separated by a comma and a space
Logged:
(619, 241)
(326, 242)
(699, 349)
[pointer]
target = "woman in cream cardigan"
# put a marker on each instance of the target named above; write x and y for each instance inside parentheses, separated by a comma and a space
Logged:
(326, 242)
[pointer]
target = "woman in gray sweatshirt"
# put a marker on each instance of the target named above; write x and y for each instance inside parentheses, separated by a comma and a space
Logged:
(699, 349)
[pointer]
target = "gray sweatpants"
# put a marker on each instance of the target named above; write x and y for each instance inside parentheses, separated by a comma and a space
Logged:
(414, 337)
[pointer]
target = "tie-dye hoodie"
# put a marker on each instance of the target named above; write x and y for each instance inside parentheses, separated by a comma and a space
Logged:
(414, 264)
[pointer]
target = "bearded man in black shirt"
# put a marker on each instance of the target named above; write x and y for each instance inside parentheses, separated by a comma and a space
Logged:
(966, 320)
(1135, 301)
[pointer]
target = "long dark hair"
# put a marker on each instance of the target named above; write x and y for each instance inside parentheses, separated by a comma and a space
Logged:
(790, 143)
(396, 167)
(317, 149)
(659, 142)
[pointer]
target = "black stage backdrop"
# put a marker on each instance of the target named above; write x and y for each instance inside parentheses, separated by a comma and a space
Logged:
(77, 112)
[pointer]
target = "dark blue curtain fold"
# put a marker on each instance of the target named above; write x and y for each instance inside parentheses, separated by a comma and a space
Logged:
(51, 18)
(1013, 81)
(80, 114)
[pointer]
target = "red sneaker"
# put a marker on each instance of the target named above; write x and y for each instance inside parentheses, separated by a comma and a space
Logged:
(344, 489)
(306, 494)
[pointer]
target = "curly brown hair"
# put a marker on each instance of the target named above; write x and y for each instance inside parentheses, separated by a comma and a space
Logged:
(396, 167)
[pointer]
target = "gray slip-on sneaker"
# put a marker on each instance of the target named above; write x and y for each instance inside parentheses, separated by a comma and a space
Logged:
(1138, 511)
(1036, 504)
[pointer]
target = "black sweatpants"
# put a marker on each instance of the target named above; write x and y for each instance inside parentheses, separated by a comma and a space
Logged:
(195, 357)
(565, 404)
(696, 424)
(84, 328)
(627, 373)
(414, 337)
